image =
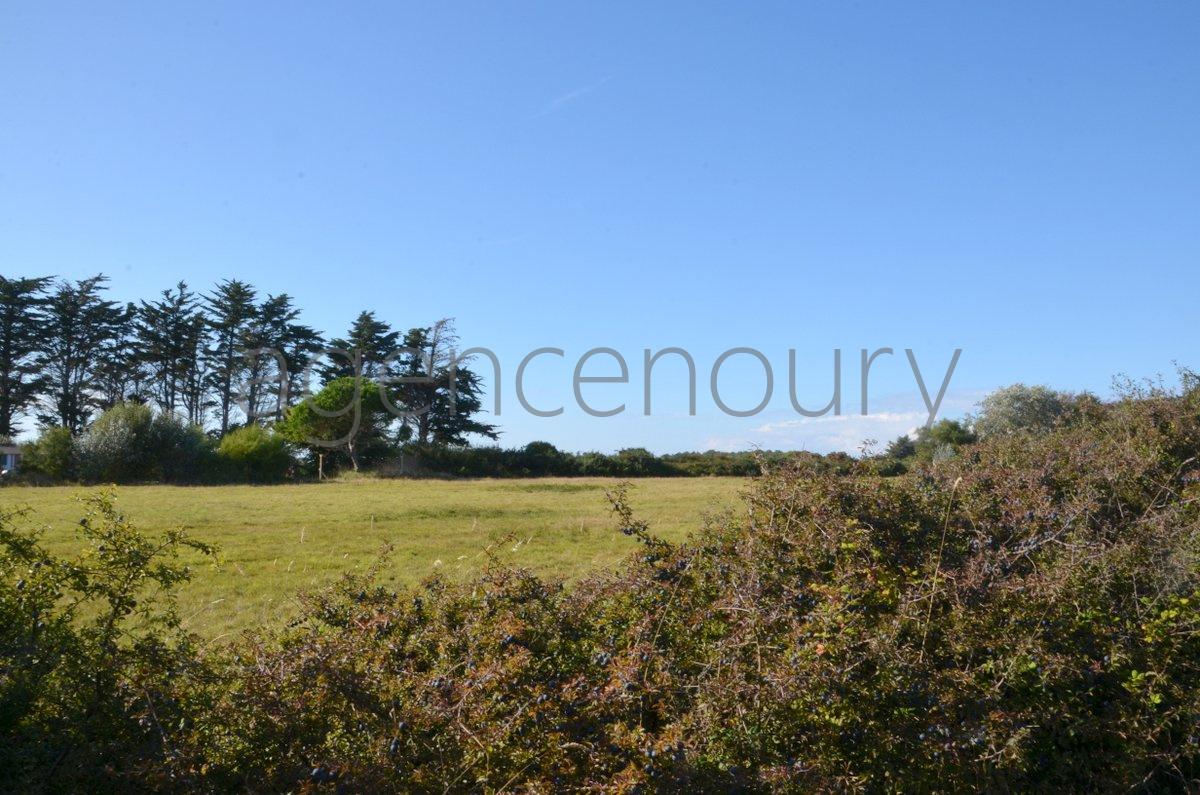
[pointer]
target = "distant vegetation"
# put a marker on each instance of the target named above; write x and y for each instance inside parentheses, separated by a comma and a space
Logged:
(1017, 612)
(89, 370)
(131, 443)
(207, 388)
(183, 389)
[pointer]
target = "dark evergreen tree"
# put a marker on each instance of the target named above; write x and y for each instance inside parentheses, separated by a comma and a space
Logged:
(79, 332)
(120, 376)
(194, 395)
(21, 319)
(230, 311)
(370, 341)
(439, 394)
(453, 416)
(278, 349)
(298, 347)
(167, 344)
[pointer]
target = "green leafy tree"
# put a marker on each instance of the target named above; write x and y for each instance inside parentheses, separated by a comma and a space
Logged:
(896, 457)
(901, 447)
(943, 439)
(52, 454)
(346, 416)
(21, 319)
(542, 458)
(639, 462)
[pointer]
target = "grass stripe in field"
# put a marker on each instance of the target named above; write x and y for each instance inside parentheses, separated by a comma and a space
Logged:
(276, 540)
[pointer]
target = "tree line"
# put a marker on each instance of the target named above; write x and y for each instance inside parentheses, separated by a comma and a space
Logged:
(218, 360)
(192, 386)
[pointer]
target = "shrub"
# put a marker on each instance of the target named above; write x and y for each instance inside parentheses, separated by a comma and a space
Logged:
(130, 443)
(543, 458)
(52, 455)
(117, 446)
(1021, 409)
(1026, 616)
(1022, 615)
(639, 462)
(92, 656)
(182, 453)
(254, 454)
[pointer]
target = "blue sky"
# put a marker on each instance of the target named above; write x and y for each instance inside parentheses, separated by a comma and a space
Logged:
(1019, 180)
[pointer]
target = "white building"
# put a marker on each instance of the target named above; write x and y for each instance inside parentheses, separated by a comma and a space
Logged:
(10, 458)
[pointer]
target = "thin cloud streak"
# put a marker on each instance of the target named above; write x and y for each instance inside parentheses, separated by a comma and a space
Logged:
(569, 97)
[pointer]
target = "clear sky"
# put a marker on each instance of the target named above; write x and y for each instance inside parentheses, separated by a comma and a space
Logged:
(1019, 180)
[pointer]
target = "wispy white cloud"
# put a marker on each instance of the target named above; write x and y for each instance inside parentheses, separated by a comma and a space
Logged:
(559, 102)
(878, 418)
(844, 432)
(823, 434)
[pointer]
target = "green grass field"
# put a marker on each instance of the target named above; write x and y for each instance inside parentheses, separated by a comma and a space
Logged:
(277, 540)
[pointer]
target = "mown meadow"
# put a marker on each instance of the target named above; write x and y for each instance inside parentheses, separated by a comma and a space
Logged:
(274, 541)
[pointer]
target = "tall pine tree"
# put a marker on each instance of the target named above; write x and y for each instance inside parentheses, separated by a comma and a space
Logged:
(80, 327)
(370, 341)
(440, 394)
(230, 311)
(194, 395)
(169, 346)
(278, 349)
(119, 374)
(21, 304)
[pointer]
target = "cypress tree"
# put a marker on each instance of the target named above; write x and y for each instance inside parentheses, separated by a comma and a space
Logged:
(21, 303)
(230, 311)
(369, 339)
(168, 345)
(80, 332)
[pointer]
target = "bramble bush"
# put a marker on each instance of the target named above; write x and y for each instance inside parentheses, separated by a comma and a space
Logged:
(1023, 614)
(92, 656)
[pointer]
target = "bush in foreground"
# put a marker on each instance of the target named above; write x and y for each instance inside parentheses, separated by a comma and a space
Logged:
(92, 659)
(1025, 614)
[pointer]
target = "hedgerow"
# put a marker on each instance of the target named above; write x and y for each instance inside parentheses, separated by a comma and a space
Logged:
(1024, 614)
